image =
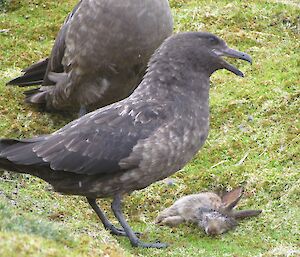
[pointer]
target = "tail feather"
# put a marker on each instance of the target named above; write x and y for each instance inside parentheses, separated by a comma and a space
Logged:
(40, 65)
(34, 75)
(36, 96)
(14, 153)
(19, 156)
(27, 80)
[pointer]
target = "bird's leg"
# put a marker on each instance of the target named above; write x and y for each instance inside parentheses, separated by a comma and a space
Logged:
(117, 210)
(107, 224)
(82, 111)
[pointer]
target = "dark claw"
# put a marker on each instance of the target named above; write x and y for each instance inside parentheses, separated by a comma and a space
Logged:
(120, 232)
(132, 236)
(107, 224)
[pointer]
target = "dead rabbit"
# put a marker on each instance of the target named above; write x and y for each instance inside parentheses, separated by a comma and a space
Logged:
(210, 211)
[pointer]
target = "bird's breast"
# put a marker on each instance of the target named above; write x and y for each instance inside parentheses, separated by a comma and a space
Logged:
(167, 150)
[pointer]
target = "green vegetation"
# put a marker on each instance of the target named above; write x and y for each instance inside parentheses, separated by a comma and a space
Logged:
(254, 140)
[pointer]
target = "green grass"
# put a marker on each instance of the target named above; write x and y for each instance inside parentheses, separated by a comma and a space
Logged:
(253, 141)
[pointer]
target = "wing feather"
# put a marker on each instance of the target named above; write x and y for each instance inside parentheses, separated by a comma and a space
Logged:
(85, 146)
(55, 60)
(89, 147)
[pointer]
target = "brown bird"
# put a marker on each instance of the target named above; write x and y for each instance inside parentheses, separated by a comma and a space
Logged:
(130, 144)
(208, 210)
(100, 54)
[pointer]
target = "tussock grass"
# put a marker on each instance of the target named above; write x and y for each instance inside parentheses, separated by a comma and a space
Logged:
(253, 141)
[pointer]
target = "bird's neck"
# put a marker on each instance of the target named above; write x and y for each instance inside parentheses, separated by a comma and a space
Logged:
(170, 77)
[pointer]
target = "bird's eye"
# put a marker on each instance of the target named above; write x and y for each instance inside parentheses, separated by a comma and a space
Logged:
(213, 40)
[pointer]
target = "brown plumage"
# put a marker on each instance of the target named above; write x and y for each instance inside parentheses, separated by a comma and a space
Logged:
(100, 54)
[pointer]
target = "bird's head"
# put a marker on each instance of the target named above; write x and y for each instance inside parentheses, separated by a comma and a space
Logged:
(205, 51)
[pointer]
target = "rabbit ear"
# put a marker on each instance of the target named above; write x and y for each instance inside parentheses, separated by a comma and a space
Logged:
(245, 213)
(231, 198)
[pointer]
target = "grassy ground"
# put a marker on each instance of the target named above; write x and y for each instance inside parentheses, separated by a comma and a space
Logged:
(254, 140)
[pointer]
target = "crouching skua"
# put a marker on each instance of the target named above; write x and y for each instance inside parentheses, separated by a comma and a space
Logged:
(99, 56)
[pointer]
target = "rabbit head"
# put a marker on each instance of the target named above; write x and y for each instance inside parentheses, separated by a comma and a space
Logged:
(214, 222)
(220, 220)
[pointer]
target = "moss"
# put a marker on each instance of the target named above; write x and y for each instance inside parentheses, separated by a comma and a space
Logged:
(253, 141)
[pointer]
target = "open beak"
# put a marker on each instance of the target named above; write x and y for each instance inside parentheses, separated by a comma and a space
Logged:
(233, 54)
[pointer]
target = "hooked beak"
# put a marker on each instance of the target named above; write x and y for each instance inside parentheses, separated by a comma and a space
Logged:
(233, 54)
